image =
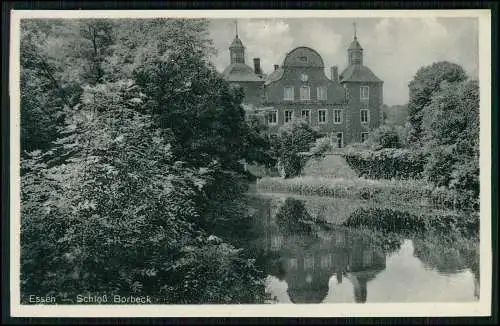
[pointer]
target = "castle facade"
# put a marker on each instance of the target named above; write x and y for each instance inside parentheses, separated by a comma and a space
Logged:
(345, 106)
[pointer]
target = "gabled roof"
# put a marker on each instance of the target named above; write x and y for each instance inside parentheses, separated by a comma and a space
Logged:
(240, 72)
(358, 73)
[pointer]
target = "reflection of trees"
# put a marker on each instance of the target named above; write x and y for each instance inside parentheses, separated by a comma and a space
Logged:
(294, 218)
(447, 256)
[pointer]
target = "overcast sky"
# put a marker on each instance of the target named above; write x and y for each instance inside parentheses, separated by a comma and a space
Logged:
(394, 48)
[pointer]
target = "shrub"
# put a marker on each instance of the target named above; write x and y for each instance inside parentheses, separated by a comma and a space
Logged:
(295, 139)
(384, 137)
(386, 163)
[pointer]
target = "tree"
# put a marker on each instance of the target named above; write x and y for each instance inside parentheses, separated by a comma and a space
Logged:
(293, 142)
(424, 84)
(451, 133)
(119, 217)
(395, 115)
(141, 168)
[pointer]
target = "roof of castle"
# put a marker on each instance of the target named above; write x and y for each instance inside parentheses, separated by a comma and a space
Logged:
(240, 72)
(274, 76)
(358, 73)
(236, 43)
(355, 45)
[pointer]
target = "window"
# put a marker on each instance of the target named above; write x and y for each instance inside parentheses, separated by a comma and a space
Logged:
(288, 116)
(292, 262)
(303, 59)
(365, 116)
(288, 93)
(309, 262)
(340, 140)
(337, 116)
(321, 93)
(364, 92)
(322, 116)
(272, 117)
(306, 115)
(305, 93)
(364, 136)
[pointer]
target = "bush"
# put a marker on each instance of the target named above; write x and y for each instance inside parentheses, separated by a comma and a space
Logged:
(384, 137)
(294, 140)
(386, 163)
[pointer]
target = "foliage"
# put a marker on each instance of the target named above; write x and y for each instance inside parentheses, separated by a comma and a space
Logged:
(386, 163)
(293, 141)
(384, 136)
(122, 199)
(395, 115)
(321, 146)
(424, 84)
(452, 137)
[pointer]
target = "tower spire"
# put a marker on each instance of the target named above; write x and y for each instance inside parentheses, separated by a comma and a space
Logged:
(354, 26)
(236, 27)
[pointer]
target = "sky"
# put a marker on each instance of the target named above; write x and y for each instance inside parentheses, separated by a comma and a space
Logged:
(394, 48)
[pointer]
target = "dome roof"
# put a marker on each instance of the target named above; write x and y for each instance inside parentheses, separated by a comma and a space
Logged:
(240, 72)
(303, 57)
(236, 43)
(355, 45)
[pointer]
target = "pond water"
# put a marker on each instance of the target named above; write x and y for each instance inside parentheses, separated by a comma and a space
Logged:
(307, 263)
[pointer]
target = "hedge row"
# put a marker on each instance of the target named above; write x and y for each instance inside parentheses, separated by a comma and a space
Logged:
(388, 163)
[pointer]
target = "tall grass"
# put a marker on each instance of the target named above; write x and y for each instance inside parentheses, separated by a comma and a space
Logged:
(394, 192)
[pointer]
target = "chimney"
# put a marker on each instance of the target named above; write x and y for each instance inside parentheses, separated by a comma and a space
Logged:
(276, 67)
(334, 71)
(256, 66)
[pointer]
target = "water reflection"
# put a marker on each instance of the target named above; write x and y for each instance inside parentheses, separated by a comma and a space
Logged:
(308, 261)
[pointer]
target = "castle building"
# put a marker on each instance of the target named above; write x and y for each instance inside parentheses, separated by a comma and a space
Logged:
(345, 106)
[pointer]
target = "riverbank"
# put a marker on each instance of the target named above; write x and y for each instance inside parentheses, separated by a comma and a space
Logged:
(412, 193)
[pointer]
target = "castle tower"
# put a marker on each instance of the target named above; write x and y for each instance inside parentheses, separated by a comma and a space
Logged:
(365, 94)
(355, 51)
(236, 49)
(241, 75)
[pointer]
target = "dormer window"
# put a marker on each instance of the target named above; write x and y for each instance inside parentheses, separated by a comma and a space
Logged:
(305, 93)
(321, 92)
(288, 93)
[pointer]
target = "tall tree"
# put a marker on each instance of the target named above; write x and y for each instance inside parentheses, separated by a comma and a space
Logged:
(451, 133)
(424, 84)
